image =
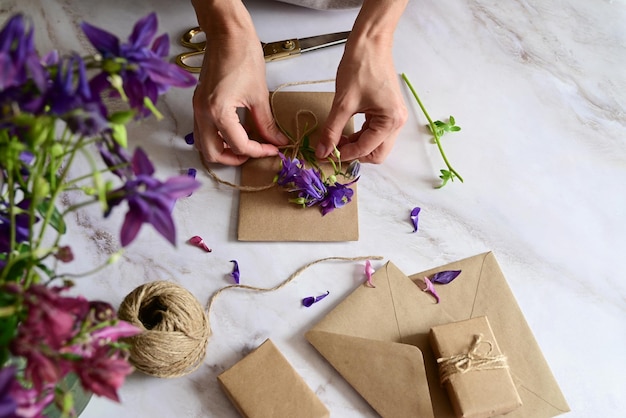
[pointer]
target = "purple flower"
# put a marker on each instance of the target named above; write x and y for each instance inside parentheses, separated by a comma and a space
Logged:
(142, 68)
(115, 157)
(309, 186)
(289, 169)
(338, 195)
(150, 200)
(8, 405)
(189, 138)
(19, 60)
(445, 277)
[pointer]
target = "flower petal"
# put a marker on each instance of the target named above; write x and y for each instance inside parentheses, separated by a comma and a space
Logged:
(430, 288)
(414, 217)
(368, 273)
(310, 300)
(102, 40)
(189, 138)
(445, 277)
(199, 242)
(235, 273)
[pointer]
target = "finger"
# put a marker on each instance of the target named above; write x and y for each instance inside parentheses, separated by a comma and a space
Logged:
(237, 139)
(338, 117)
(266, 125)
(210, 144)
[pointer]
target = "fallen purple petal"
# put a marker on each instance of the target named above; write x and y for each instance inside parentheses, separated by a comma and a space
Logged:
(192, 172)
(189, 138)
(445, 277)
(430, 288)
(199, 242)
(308, 301)
(235, 273)
(414, 217)
(368, 273)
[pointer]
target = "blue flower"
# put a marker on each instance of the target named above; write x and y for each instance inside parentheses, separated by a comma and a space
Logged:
(150, 200)
(142, 68)
(289, 169)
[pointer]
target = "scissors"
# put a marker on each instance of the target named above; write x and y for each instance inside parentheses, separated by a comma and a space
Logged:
(272, 51)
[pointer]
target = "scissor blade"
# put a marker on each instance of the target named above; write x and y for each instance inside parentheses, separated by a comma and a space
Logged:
(321, 41)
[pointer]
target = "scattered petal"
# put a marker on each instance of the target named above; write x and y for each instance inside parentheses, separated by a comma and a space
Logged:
(235, 273)
(414, 217)
(199, 242)
(445, 277)
(192, 172)
(368, 273)
(308, 301)
(430, 288)
(189, 138)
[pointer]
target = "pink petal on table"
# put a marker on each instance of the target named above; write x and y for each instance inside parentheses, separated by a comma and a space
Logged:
(430, 288)
(199, 242)
(368, 273)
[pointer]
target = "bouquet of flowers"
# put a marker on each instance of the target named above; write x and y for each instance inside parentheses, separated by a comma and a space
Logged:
(56, 110)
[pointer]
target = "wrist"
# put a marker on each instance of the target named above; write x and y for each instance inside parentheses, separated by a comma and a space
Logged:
(223, 18)
(377, 21)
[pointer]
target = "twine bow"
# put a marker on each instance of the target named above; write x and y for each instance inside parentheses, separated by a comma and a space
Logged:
(472, 360)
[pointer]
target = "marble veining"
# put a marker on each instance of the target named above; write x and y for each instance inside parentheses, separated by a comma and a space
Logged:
(539, 90)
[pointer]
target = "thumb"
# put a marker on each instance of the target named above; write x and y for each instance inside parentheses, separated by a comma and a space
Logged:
(333, 129)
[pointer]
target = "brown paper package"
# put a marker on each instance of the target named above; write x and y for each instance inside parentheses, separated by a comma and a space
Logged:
(477, 392)
(267, 215)
(265, 385)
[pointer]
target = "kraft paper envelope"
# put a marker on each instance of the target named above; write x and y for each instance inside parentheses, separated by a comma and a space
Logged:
(397, 311)
(268, 215)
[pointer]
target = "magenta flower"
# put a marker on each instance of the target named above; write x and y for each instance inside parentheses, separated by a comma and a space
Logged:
(8, 405)
(150, 200)
(197, 241)
(102, 373)
(368, 273)
(141, 66)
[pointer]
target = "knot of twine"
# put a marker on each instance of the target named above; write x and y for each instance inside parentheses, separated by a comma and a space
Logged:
(296, 141)
(175, 329)
(472, 360)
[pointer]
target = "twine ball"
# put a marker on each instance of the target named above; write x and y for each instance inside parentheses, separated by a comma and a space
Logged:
(175, 329)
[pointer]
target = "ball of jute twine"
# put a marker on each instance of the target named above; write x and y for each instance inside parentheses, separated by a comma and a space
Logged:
(175, 329)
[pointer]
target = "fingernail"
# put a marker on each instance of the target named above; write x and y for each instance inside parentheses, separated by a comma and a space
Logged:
(321, 151)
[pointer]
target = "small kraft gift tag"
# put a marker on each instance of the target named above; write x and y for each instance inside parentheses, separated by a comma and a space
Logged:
(473, 369)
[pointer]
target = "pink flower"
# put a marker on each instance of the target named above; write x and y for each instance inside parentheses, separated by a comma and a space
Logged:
(102, 373)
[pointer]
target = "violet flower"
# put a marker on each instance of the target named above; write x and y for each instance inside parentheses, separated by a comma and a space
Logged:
(338, 195)
(143, 71)
(19, 60)
(150, 200)
(445, 277)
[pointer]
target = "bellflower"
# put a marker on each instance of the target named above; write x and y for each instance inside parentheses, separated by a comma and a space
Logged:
(150, 200)
(142, 68)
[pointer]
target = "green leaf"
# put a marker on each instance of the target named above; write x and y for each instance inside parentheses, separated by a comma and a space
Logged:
(56, 220)
(445, 176)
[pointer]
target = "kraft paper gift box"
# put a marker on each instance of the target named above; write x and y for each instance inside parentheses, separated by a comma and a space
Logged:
(268, 215)
(264, 385)
(398, 314)
(473, 369)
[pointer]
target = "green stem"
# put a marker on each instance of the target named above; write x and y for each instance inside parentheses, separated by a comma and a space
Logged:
(432, 128)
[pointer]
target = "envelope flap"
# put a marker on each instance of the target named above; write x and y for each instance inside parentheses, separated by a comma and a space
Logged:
(482, 290)
(390, 376)
(378, 313)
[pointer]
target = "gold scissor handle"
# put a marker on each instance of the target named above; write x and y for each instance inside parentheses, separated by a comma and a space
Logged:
(187, 39)
(181, 58)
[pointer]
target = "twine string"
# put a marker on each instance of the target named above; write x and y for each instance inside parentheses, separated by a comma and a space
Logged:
(294, 147)
(175, 327)
(471, 360)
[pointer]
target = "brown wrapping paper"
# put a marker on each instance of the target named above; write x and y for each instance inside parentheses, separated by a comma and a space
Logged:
(264, 385)
(475, 371)
(267, 215)
(397, 311)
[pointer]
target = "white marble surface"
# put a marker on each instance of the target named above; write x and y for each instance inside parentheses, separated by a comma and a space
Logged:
(539, 89)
